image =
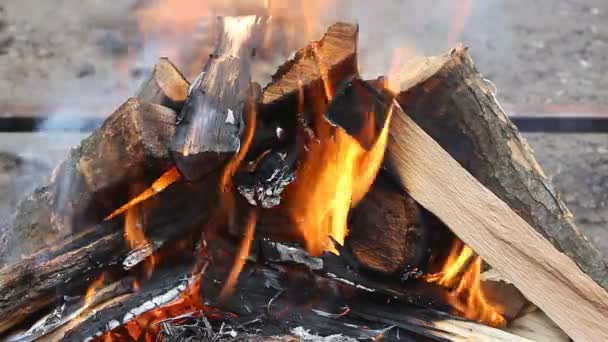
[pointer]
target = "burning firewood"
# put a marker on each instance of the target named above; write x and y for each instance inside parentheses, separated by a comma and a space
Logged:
(137, 134)
(387, 233)
(211, 122)
(319, 66)
(302, 162)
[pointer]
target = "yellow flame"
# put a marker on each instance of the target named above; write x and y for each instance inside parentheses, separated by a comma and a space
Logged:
(134, 234)
(334, 174)
(95, 286)
(241, 256)
(461, 275)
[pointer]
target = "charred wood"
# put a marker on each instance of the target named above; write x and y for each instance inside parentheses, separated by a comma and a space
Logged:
(211, 121)
(68, 267)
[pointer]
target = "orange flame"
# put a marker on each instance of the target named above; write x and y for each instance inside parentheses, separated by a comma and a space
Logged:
(461, 11)
(241, 257)
(95, 286)
(159, 185)
(134, 234)
(146, 326)
(334, 175)
(461, 274)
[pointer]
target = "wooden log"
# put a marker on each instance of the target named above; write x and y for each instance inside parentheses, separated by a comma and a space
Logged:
(325, 63)
(452, 102)
(386, 232)
(550, 279)
(165, 86)
(130, 147)
(211, 121)
(71, 264)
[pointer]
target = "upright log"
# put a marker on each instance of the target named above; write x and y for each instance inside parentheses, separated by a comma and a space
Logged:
(448, 98)
(211, 121)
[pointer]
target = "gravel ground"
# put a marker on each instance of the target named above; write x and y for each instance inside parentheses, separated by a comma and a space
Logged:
(64, 55)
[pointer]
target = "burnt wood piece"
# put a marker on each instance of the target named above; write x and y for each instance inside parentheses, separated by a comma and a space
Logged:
(165, 86)
(547, 277)
(130, 147)
(273, 172)
(452, 102)
(386, 230)
(333, 58)
(211, 121)
(70, 265)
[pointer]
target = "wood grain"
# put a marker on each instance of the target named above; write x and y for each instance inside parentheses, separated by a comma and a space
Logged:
(547, 277)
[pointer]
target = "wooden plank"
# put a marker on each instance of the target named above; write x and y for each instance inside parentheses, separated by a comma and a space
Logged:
(547, 277)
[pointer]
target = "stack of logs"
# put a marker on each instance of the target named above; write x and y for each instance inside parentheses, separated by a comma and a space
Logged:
(454, 160)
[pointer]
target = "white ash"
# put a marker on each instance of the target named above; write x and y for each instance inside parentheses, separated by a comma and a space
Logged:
(138, 255)
(306, 336)
(348, 282)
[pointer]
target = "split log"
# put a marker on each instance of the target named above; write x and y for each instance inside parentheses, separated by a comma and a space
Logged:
(166, 86)
(130, 147)
(211, 121)
(489, 226)
(331, 60)
(449, 99)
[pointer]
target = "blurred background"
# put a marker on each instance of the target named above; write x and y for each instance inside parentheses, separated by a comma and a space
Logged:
(67, 63)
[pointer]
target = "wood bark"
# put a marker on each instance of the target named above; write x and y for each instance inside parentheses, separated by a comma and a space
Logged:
(497, 233)
(130, 147)
(451, 101)
(211, 121)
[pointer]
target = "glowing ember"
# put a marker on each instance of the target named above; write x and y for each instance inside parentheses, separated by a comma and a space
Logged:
(159, 185)
(146, 326)
(461, 274)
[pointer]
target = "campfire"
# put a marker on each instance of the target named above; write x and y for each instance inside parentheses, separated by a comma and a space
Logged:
(405, 207)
